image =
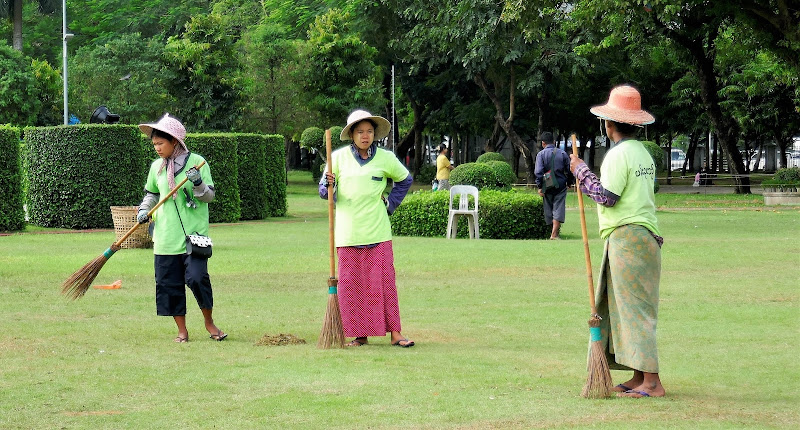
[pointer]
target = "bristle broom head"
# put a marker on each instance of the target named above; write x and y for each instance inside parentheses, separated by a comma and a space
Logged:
(598, 382)
(332, 334)
(76, 285)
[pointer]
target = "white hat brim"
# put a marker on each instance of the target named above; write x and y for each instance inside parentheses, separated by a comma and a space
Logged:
(381, 130)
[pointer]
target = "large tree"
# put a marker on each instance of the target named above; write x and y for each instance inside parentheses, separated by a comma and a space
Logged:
(693, 26)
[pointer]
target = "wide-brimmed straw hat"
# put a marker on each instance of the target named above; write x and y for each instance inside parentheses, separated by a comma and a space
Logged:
(625, 106)
(382, 125)
(168, 125)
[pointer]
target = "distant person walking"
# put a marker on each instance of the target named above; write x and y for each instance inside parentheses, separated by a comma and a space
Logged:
(443, 167)
(627, 289)
(554, 199)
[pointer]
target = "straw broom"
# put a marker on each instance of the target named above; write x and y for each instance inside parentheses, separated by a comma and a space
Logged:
(332, 334)
(598, 382)
(78, 283)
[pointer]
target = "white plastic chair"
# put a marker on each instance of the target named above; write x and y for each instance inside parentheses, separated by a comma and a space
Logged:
(463, 191)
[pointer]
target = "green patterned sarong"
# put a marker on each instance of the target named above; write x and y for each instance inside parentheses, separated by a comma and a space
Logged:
(627, 298)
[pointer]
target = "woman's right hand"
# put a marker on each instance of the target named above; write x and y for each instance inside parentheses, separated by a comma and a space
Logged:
(331, 178)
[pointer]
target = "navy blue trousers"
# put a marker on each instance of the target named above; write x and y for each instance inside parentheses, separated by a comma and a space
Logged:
(173, 274)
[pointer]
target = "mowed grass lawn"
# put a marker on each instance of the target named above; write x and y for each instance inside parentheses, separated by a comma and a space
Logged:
(500, 328)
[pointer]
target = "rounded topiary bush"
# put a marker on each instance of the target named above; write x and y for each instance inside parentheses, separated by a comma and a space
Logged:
(504, 174)
(490, 156)
(501, 215)
(480, 175)
(313, 139)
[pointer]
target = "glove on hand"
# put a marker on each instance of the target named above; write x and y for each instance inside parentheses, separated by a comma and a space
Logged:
(193, 175)
(142, 217)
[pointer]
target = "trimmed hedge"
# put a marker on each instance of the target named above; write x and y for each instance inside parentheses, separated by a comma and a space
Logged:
(501, 215)
(252, 158)
(75, 173)
(275, 154)
(220, 150)
(785, 179)
(490, 156)
(12, 214)
(493, 175)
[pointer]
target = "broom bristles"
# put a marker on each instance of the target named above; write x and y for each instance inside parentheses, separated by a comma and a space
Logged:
(332, 334)
(598, 382)
(76, 285)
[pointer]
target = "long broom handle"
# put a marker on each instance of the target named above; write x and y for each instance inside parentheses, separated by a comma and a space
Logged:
(585, 235)
(152, 211)
(330, 202)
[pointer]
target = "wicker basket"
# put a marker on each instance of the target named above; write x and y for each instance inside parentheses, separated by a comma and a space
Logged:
(125, 218)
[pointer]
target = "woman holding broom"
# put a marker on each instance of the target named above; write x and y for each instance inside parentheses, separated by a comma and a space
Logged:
(627, 291)
(363, 235)
(187, 212)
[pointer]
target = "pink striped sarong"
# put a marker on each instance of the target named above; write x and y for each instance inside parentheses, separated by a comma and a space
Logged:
(367, 291)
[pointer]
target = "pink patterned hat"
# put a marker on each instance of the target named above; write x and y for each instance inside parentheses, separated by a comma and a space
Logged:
(168, 125)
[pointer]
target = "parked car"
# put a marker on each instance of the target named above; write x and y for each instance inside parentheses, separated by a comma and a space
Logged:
(677, 159)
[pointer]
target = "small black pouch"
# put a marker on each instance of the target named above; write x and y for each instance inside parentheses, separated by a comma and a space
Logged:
(198, 246)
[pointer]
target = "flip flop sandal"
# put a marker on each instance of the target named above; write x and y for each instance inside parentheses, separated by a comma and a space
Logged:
(356, 342)
(408, 343)
(219, 337)
(181, 339)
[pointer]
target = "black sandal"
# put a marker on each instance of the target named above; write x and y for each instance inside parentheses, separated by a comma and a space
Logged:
(359, 341)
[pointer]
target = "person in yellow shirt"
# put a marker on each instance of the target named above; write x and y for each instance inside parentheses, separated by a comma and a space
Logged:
(443, 168)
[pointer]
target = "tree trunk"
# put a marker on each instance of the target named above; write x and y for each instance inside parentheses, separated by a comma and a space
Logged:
(17, 20)
(725, 126)
(507, 124)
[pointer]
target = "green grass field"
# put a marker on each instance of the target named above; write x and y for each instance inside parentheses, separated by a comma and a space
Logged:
(500, 328)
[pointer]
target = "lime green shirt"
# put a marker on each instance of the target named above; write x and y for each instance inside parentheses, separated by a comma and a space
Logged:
(361, 217)
(168, 237)
(628, 171)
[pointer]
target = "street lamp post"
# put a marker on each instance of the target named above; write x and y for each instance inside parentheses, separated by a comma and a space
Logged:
(65, 37)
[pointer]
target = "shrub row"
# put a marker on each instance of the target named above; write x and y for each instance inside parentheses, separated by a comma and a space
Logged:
(501, 215)
(12, 215)
(75, 173)
(786, 179)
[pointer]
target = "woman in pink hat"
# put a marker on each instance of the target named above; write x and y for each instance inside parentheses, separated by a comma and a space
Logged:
(627, 290)
(185, 213)
(361, 171)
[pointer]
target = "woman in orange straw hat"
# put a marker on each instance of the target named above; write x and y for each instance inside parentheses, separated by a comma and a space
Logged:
(627, 290)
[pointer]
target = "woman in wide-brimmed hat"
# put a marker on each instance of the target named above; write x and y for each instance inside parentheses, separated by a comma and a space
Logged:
(627, 290)
(186, 211)
(361, 171)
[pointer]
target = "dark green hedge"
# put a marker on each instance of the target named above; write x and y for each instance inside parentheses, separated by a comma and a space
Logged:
(501, 214)
(252, 154)
(276, 175)
(12, 215)
(220, 150)
(75, 173)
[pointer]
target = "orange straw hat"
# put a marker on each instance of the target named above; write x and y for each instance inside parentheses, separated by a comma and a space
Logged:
(625, 106)
(382, 125)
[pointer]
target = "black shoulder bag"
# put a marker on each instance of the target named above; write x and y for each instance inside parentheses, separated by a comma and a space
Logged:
(549, 181)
